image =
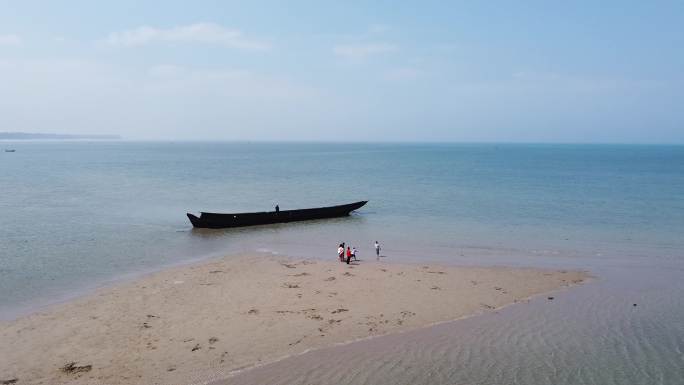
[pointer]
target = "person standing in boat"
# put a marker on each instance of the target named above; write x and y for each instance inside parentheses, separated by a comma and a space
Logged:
(277, 209)
(377, 250)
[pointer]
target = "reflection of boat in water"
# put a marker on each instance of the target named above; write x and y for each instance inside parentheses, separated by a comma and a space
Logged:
(10, 150)
(218, 221)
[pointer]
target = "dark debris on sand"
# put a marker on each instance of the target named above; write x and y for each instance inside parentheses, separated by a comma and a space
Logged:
(72, 368)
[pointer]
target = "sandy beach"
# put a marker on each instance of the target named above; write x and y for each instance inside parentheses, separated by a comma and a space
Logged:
(198, 323)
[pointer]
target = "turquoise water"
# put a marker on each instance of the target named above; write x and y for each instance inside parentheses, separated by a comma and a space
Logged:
(77, 215)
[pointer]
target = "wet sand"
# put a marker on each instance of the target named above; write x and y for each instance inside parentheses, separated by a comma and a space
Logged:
(200, 323)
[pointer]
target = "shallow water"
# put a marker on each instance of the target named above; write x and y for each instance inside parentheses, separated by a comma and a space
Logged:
(591, 334)
(77, 215)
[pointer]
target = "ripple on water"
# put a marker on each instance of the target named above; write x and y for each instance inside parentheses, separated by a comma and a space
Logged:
(588, 335)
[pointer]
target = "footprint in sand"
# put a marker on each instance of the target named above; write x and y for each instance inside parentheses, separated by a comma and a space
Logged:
(253, 311)
(348, 274)
(329, 279)
(213, 340)
(435, 288)
(374, 323)
(290, 285)
(196, 347)
(300, 275)
(340, 310)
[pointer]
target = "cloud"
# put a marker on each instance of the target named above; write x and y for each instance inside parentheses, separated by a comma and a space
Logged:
(204, 33)
(10, 40)
(361, 51)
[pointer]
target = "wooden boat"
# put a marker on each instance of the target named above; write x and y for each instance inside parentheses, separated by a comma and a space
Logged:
(10, 150)
(220, 221)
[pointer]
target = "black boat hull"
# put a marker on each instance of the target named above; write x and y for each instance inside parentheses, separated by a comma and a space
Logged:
(222, 221)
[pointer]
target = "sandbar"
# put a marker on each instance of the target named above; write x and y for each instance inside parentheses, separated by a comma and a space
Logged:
(199, 323)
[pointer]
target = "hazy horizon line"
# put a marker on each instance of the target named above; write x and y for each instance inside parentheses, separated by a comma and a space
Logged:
(326, 141)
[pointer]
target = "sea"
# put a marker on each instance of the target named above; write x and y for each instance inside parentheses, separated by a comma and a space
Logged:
(79, 215)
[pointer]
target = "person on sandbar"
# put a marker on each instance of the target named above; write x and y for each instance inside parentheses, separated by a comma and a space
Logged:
(349, 254)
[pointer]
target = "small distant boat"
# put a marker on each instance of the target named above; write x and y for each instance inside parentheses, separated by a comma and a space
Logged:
(220, 221)
(10, 150)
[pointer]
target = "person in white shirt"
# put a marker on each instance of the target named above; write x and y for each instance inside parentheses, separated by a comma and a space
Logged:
(354, 253)
(377, 250)
(340, 252)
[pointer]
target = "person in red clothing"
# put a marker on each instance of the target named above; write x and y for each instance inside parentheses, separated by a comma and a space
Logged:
(348, 254)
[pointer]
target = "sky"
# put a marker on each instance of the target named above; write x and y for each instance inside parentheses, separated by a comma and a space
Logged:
(429, 71)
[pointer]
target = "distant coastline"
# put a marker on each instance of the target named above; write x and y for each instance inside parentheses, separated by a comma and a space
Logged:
(39, 136)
